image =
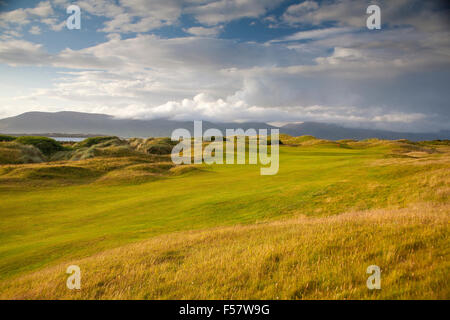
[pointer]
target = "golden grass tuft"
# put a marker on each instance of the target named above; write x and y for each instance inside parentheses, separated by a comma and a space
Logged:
(17, 153)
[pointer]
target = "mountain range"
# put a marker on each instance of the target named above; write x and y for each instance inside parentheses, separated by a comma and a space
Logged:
(77, 123)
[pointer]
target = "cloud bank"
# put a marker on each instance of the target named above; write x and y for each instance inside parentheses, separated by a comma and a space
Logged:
(333, 70)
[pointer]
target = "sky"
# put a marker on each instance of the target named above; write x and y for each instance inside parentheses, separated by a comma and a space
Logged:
(274, 61)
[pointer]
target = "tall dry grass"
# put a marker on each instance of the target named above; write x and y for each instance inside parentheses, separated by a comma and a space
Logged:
(301, 258)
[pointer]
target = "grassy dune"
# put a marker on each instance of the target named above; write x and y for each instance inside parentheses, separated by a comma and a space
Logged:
(141, 228)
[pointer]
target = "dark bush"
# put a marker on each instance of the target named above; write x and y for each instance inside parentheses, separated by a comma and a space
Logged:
(89, 142)
(6, 138)
(160, 149)
(46, 145)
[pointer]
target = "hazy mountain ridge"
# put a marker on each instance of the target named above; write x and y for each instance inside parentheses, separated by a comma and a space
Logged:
(336, 132)
(67, 122)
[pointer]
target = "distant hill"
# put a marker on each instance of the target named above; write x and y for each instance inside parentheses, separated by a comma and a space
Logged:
(68, 122)
(74, 123)
(336, 132)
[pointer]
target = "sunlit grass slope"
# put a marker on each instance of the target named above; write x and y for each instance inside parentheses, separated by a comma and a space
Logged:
(301, 258)
(53, 217)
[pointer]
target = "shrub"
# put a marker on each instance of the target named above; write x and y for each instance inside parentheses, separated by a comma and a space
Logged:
(89, 142)
(6, 138)
(159, 149)
(46, 145)
(157, 146)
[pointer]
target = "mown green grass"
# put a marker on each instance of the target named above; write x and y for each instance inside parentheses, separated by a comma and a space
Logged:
(50, 224)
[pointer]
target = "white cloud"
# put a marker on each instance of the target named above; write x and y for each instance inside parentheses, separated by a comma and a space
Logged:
(296, 11)
(43, 9)
(230, 109)
(315, 34)
(9, 35)
(216, 12)
(204, 32)
(400, 117)
(35, 30)
(146, 15)
(25, 16)
(54, 23)
(15, 20)
(420, 14)
(114, 36)
(19, 52)
(134, 15)
(148, 76)
(18, 16)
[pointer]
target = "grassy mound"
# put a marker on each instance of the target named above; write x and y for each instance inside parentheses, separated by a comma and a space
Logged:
(157, 146)
(16, 153)
(46, 145)
(137, 173)
(59, 172)
(104, 140)
(159, 168)
(96, 147)
(127, 176)
(159, 149)
(184, 169)
(304, 140)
